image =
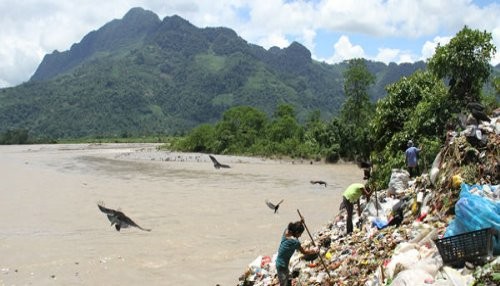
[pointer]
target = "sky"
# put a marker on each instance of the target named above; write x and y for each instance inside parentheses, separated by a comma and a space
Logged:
(333, 30)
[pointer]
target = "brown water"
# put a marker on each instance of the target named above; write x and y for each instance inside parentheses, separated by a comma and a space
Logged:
(208, 224)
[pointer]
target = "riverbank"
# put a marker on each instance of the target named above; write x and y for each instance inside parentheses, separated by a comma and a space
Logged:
(454, 206)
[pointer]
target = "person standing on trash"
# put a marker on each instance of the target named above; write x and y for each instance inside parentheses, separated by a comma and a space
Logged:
(351, 196)
(411, 159)
(289, 243)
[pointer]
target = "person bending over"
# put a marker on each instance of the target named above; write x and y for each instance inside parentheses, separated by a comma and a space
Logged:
(289, 243)
(350, 197)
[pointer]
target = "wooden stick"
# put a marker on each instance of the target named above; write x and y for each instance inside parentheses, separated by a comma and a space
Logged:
(312, 240)
(382, 273)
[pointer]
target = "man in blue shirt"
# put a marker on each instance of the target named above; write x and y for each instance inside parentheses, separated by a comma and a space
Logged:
(411, 159)
(289, 243)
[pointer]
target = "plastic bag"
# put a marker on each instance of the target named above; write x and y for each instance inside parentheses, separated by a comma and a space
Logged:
(475, 212)
(435, 168)
(412, 277)
(399, 181)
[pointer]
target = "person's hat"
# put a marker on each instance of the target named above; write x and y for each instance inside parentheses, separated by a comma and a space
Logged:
(410, 143)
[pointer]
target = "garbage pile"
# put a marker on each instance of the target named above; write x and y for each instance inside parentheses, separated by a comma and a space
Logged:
(412, 232)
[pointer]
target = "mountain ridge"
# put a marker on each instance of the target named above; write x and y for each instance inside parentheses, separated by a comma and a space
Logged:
(141, 75)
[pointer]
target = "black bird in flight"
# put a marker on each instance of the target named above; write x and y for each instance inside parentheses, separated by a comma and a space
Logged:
(217, 165)
(319, 183)
(477, 111)
(119, 219)
(273, 206)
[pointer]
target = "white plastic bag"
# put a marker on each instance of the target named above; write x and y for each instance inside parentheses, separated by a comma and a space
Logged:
(398, 182)
(412, 277)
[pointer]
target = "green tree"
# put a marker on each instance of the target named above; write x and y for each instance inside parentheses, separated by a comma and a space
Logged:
(492, 101)
(284, 124)
(465, 62)
(496, 85)
(356, 110)
(357, 81)
(284, 132)
(416, 107)
(317, 136)
(200, 139)
(239, 129)
(16, 136)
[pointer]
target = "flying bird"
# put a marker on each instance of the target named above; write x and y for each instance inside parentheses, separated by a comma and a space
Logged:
(319, 183)
(273, 206)
(119, 219)
(217, 165)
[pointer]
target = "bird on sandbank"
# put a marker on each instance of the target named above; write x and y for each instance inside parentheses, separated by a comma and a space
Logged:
(118, 218)
(217, 165)
(319, 182)
(273, 206)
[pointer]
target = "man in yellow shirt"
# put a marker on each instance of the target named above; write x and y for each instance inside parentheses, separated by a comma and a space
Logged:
(350, 197)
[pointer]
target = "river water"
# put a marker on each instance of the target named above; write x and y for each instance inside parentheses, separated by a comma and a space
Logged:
(207, 224)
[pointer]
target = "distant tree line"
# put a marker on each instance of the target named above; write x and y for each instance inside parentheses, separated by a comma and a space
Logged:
(17, 136)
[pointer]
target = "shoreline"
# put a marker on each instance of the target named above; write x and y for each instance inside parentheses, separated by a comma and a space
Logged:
(151, 151)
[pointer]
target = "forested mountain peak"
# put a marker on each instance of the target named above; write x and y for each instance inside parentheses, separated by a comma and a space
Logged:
(142, 75)
(138, 15)
(112, 36)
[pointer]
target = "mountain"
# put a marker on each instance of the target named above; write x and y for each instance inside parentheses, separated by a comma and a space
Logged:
(141, 75)
(113, 36)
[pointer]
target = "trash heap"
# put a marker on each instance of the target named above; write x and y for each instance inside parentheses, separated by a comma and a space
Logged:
(396, 239)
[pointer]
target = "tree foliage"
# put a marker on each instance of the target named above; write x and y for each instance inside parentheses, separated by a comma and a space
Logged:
(246, 130)
(465, 62)
(17, 136)
(421, 108)
(239, 129)
(356, 111)
(415, 108)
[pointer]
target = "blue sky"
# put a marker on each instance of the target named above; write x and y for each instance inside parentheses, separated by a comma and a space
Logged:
(333, 30)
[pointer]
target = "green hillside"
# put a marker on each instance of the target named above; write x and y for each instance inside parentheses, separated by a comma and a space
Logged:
(140, 75)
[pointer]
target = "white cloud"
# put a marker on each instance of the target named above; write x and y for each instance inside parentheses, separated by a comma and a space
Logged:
(273, 40)
(18, 57)
(429, 47)
(33, 28)
(3, 83)
(496, 41)
(387, 55)
(405, 58)
(307, 39)
(344, 50)
(352, 16)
